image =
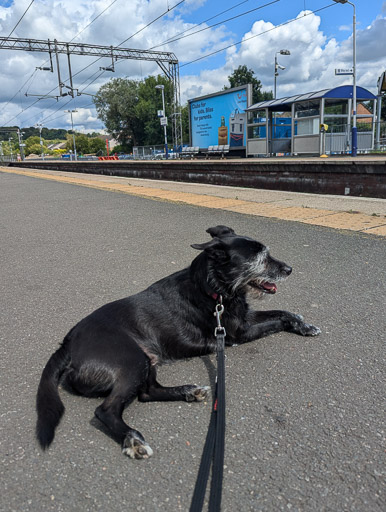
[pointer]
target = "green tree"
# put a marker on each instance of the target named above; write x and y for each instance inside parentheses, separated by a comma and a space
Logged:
(129, 108)
(96, 145)
(115, 103)
(185, 123)
(243, 76)
(149, 102)
(81, 142)
(35, 149)
(32, 145)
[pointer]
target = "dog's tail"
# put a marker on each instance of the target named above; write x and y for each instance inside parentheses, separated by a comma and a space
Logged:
(49, 406)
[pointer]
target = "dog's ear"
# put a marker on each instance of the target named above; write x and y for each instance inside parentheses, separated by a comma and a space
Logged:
(220, 231)
(215, 249)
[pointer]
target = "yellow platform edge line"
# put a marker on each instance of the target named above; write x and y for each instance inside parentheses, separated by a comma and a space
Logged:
(214, 202)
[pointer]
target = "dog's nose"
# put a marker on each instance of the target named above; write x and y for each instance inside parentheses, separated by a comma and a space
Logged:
(287, 269)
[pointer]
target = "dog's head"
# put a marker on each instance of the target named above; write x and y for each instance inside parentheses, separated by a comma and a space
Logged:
(238, 264)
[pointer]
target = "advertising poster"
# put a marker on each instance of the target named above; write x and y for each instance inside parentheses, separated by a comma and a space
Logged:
(219, 119)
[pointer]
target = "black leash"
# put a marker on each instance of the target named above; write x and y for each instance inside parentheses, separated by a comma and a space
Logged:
(213, 452)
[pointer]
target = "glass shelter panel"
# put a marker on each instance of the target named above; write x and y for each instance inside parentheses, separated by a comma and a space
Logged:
(307, 108)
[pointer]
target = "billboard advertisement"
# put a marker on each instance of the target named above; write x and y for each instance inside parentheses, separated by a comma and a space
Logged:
(219, 119)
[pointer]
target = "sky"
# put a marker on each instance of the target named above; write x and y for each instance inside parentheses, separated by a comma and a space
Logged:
(210, 38)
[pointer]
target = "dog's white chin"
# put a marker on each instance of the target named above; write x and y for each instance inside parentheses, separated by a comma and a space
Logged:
(255, 293)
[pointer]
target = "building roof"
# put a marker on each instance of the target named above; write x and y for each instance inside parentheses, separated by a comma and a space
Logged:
(343, 92)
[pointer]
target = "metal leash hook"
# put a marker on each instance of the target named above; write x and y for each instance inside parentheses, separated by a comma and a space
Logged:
(219, 330)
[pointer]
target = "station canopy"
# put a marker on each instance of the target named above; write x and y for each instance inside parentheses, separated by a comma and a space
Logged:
(343, 92)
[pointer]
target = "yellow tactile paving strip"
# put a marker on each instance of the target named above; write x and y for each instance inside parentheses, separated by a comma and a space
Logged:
(375, 225)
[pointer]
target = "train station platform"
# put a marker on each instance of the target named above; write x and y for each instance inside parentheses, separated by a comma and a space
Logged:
(362, 214)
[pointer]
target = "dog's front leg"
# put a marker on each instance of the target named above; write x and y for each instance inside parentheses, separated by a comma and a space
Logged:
(263, 323)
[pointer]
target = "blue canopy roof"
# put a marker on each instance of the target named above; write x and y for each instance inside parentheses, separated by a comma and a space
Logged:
(342, 92)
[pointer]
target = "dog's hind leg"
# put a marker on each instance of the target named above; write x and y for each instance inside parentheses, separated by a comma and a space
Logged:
(110, 414)
(153, 391)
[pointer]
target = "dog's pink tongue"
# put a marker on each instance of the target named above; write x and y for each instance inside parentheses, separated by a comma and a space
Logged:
(270, 287)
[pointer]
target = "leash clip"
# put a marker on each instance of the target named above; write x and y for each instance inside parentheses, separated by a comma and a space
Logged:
(219, 330)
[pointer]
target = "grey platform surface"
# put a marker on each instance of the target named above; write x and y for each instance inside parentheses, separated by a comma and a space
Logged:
(305, 416)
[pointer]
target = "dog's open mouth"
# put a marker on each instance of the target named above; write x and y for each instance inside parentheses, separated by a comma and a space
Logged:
(265, 286)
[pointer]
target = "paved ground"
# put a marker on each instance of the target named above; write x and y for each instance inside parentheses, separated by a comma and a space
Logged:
(305, 416)
(339, 212)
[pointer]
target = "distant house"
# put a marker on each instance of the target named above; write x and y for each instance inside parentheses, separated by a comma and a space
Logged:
(363, 110)
(112, 142)
(59, 145)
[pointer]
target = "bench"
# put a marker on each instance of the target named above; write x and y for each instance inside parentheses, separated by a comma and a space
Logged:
(218, 150)
(189, 151)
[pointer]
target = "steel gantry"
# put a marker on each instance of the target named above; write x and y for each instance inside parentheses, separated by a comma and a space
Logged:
(167, 61)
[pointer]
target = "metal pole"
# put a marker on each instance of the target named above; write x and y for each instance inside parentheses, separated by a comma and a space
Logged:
(69, 70)
(274, 81)
(58, 69)
(354, 120)
(378, 131)
(165, 130)
(20, 136)
(73, 137)
(10, 148)
(73, 133)
(40, 126)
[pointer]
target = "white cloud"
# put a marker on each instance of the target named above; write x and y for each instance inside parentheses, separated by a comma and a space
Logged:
(314, 55)
(311, 65)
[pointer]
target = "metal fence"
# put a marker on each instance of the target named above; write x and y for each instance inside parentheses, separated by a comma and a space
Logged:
(338, 138)
(152, 152)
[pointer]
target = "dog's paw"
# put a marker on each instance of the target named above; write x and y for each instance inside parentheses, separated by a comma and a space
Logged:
(135, 447)
(297, 325)
(197, 393)
(311, 330)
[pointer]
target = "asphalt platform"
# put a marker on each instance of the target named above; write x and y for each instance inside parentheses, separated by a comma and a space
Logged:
(305, 416)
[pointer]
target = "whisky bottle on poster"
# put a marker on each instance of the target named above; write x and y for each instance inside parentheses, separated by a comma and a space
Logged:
(222, 133)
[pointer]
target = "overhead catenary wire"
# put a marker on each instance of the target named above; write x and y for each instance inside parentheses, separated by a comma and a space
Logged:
(99, 58)
(17, 24)
(199, 24)
(206, 55)
(216, 24)
(255, 35)
(47, 60)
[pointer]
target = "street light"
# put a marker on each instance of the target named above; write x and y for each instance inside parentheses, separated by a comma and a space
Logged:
(40, 126)
(277, 67)
(73, 133)
(354, 133)
(164, 118)
(10, 147)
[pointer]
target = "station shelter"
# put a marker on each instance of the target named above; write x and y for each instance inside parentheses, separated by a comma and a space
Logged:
(295, 125)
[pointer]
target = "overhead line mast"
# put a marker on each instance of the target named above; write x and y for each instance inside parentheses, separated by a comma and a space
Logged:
(167, 61)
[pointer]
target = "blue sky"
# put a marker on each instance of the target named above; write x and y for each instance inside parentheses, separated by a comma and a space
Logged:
(319, 42)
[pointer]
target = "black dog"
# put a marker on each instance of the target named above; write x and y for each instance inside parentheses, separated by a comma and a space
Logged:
(114, 351)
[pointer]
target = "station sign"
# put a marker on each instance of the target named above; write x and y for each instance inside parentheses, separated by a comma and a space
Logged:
(164, 121)
(342, 71)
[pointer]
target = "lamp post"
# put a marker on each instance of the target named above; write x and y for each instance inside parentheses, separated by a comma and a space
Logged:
(277, 67)
(21, 144)
(10, 148)
(73, 133)
(354, 133)
(40, 126)
(164, 118)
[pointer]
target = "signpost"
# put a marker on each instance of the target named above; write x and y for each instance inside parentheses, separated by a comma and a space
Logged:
(340, 71)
